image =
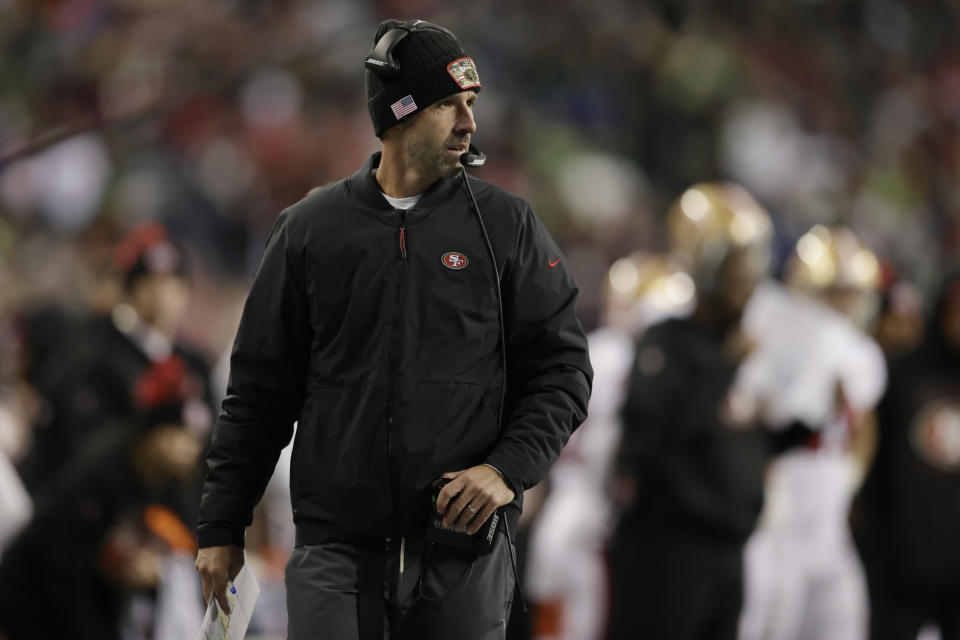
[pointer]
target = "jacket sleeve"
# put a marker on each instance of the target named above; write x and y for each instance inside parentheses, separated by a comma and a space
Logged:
(548, 367)
(264, 394)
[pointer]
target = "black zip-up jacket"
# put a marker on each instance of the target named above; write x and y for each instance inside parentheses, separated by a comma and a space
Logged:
(358, 329)
(694, 474)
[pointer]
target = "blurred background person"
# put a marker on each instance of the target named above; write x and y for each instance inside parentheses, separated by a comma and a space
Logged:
(694, 447)
(907, 515)
(118, 361)
(113, 420)
(812, 362)
(106, 553)
(566, 567)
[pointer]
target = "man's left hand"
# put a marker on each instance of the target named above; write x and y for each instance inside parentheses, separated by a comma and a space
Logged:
(471, 497)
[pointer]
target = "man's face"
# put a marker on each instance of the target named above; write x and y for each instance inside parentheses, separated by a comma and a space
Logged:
(436, 137)
(161, 300)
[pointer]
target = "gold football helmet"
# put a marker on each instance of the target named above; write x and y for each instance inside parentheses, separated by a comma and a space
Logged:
(710, 221)
(643, 288)
(835, 266)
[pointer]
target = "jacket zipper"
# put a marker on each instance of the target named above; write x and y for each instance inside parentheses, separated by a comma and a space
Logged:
(394, 358)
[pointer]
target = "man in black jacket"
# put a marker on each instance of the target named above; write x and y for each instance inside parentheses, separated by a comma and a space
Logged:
(693, 448)
(410, 338)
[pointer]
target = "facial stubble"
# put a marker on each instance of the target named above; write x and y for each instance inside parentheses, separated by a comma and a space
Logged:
(431, 159)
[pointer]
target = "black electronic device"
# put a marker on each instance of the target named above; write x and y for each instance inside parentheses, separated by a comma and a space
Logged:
(381, 61)
(480, 542)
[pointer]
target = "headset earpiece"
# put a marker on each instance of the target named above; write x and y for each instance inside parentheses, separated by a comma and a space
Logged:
(381, 61)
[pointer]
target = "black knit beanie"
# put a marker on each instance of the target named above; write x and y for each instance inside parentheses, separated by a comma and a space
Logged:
(432, 66)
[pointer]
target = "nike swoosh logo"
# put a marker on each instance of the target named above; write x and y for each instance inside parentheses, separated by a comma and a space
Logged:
(554, 263)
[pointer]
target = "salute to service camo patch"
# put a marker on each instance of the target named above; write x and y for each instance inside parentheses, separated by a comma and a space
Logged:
(464, 73)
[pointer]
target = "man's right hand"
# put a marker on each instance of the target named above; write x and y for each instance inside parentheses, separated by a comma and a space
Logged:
(217, 566)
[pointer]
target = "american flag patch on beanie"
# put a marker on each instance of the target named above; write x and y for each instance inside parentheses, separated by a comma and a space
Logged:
(403, 106)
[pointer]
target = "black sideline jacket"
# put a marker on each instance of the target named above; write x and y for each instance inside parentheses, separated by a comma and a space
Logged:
(694, 474)
(377, 331)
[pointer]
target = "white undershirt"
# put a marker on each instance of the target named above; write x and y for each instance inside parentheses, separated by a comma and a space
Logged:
(403, 203)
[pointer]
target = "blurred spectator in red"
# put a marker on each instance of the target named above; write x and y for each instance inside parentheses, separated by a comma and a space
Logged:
(109, 368)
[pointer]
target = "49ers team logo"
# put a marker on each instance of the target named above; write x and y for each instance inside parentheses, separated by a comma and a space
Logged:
(935, 435)
(454, 260)
(464, 73)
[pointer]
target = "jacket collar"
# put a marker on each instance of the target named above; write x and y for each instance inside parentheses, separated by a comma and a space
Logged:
(365, 186)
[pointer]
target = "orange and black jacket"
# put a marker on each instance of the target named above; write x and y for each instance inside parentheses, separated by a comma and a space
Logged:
(377, 331)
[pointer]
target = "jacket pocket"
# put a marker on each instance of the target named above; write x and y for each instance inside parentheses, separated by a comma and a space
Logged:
(340, 455)
(442, 427)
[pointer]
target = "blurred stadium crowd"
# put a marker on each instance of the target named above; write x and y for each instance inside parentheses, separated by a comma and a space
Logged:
(147, 146)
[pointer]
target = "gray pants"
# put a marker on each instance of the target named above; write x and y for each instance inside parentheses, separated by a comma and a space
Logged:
(459, 597)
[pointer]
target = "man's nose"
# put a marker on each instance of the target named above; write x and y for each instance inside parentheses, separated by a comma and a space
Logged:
(465, 122)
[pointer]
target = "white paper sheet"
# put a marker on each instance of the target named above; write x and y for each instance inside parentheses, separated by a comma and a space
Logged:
(179, 598)
(242, 595)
